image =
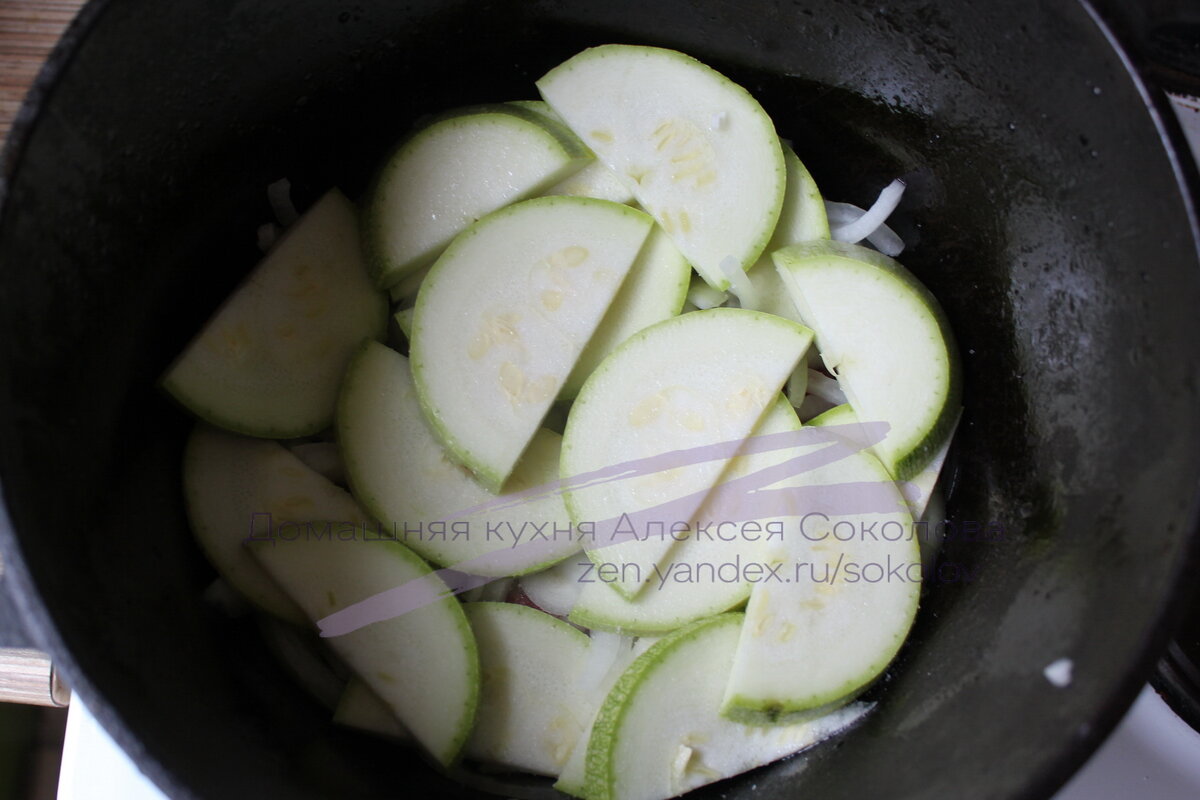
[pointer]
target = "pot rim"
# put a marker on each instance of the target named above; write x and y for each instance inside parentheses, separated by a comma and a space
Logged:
(1054, 773)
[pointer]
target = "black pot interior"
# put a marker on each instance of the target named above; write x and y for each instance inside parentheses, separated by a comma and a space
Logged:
(1042, 209)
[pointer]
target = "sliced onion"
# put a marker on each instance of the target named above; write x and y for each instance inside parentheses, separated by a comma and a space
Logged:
(841, 213)
(268, 233)
(875, 216)
(883, 238)
(886, 241)
(557, 589)
(825, 387)
(1059, 672)
(703, 296)
(279, 194)
(812, 406)
(740, 284)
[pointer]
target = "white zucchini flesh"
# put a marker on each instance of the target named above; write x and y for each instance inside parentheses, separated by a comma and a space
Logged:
(775, 298)
(594, 180)
(920, 488)
(268, 363)
(504, 315)
(529, 714)
(885, 338)
(802, 219)
(921, 492)
(659, 733)
(847, 593)
(696, 149)
(605, 650)
(237, 488)
(453, 172)
(423, 663)
(324, 458)
(703, 575)
(699, 380)
(797, 385)
(362, 709)
(408, 287)
(399, 471)
(573, 777)
(654, 290)
(404, 319)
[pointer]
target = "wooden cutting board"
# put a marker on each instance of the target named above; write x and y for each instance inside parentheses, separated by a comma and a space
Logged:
(28, 31)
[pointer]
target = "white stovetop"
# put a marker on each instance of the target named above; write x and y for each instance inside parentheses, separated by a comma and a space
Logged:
(94, 767)
(1152, 755)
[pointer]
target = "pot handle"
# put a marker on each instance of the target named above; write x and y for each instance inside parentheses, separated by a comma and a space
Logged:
(27, 675)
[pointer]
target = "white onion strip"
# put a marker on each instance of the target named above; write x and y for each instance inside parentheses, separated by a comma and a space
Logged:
(740, 284)
(279, 195)
(883, 238)
(875, 216)
(825, 388)
(704, 297)
(557, 589)
(811, 407)
(887, 241)
(267, 235)
(854, 231)
(841, 213)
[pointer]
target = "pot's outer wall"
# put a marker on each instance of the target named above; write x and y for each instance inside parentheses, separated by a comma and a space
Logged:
(1042, 210)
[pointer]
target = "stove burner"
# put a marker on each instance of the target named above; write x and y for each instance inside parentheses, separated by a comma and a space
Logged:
(1177, 677)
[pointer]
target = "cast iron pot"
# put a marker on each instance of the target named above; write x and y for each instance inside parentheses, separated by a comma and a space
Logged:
(1044, 209)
